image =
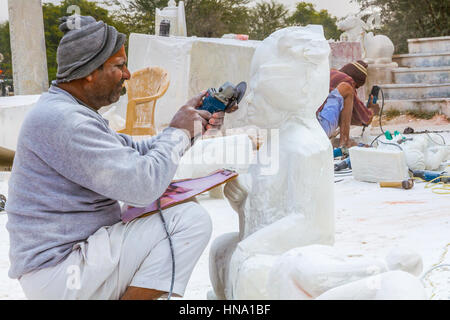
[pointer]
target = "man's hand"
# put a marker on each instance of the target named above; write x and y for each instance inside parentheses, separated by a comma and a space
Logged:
(189, 114)
(217, 119)
(374, 106)
(188, 117)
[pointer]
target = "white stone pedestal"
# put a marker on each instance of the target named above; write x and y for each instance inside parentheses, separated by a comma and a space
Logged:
(29, 56)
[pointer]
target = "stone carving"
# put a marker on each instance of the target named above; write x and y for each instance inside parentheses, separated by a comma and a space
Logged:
(425, 152)
(377, 49)
(283, 249)
(293, 206)
(176, 16)
(353, 27)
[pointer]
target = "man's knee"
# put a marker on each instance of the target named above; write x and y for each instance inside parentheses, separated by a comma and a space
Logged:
(196, 219)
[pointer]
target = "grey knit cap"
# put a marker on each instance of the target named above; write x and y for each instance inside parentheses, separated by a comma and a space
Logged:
(85, 46)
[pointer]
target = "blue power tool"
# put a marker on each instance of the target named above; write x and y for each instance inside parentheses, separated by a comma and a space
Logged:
(374, 94)
(339, 152)
(344, 164)
(225, 97)
(430, 175)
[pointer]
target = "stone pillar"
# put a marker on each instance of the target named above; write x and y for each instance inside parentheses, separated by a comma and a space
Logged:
(29, 59)
(379, 74)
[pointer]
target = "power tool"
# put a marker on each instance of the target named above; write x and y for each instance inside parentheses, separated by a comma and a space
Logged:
(374, 93)
(428, 175)
(343, 151)
(340, 152)
(225, 97)
(344, 164)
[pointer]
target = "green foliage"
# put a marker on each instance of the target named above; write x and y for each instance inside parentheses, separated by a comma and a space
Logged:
(204, 18)
(136, 16)
(392, 113)
(422, 114)
(406, 19)
(265, 18)
(214, 18)
(305, 14)
(5, 50)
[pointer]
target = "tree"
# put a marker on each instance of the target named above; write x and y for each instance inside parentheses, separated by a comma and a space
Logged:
(405, 19)
(305, 14)
(265, 18)
(5, 50)
(136, 16)
(204, 18)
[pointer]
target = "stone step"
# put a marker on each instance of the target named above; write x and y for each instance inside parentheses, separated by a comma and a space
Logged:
(429, 45)
(420, 60)
(415, 91)
(431, 75)
(440, 105)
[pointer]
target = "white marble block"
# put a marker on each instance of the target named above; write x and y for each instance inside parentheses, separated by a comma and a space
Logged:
(194, 64)
(208, 155)
(376, 165)
(12, 113)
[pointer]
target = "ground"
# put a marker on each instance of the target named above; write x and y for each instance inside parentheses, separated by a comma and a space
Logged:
(370, 221)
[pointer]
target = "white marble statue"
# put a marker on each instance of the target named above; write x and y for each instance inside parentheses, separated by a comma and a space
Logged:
(294, 205)
(377, 49)
(326, 272)
(353, 27)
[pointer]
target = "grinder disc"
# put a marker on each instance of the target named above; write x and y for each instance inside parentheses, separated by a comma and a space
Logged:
(240, 89)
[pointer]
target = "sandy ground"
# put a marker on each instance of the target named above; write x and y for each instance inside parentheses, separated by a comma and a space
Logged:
(370, 221)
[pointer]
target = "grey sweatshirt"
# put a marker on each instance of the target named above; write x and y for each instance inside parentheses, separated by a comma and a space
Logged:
(69, 172)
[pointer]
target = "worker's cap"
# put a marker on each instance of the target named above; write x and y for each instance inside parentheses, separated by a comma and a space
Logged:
(85, 46)
(357, 70)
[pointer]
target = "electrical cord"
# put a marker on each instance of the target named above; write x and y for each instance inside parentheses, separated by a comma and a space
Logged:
(431, 269)
(381, 110)
(158, 202)
(376, 138)
(392, 144)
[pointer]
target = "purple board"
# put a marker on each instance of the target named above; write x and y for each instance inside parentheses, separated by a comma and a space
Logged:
(181, 190)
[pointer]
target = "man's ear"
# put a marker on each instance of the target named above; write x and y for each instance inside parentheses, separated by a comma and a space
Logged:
(92, 76)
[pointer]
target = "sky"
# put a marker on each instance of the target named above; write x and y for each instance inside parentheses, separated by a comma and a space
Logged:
(338, 8)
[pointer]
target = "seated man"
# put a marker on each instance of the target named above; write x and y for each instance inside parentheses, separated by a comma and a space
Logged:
(70, 170)
(343, 107)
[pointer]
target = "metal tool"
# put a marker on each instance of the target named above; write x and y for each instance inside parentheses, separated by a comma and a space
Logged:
(374, 93)
(344, 164)
(405, 184)
(225, 97)
(428, 175)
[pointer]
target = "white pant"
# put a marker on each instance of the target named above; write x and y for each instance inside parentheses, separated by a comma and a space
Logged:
(134, 254)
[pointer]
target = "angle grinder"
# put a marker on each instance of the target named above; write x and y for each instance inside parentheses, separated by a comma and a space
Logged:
(225, 97)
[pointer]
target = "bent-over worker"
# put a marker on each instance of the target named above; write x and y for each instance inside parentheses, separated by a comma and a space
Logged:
(342, 107)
